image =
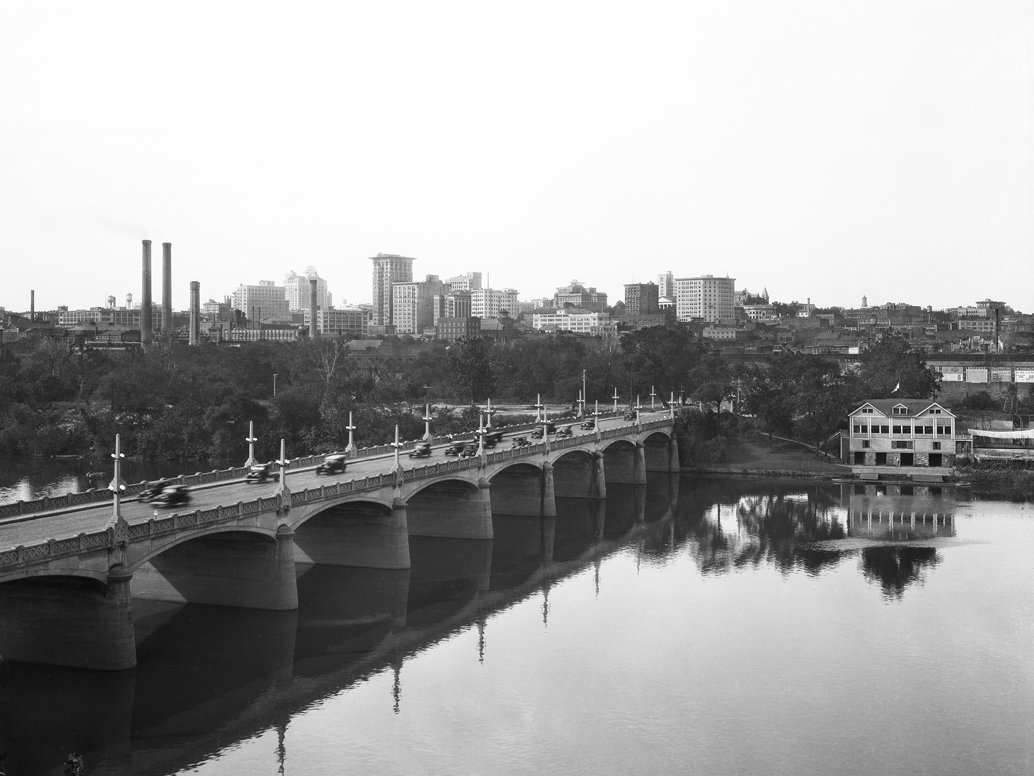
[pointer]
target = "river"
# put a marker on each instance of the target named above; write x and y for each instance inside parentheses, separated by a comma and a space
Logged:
(698, 625)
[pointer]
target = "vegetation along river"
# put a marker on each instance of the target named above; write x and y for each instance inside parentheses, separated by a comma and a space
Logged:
(705, 625)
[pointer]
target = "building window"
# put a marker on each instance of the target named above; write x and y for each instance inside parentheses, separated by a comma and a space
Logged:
(901, 445)
(865, 444)
(936, 445)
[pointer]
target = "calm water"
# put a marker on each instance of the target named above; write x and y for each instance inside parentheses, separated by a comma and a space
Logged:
(744, 628)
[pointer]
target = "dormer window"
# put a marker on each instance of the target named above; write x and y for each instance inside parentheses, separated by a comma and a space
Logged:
(901, 410)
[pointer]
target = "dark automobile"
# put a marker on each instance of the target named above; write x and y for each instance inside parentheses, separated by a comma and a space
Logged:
(422, 450)
(590, 424)
(332, 464)
(259, 472)
(469, 450)
(172, 496)
(564, 431)
(492, 438)
(631, 415)
(550, 427)
(455, 448)
(520, 442)
(149, 494)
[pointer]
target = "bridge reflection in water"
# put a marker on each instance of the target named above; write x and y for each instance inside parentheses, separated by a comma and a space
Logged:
(210, 676)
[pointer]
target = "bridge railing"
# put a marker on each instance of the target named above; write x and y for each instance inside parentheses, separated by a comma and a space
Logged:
(98, 495)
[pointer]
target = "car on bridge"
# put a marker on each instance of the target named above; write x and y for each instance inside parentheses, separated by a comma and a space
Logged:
(455, 448)
(564, 431)
(332, 464)
(550, 427)
(469, 450)
(492, 438)
(520, 441)
(149, 494)
(422, 450)
(589, 424)
(630, 415)
(172, 496)
(259, 472)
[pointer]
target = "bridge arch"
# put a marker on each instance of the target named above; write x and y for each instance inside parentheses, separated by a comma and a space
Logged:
(521, 487)
(453, 507)
(365, 530)
(578, 473)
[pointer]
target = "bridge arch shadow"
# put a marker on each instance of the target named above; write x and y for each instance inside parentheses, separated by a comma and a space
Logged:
(365, 533)
(518, 490)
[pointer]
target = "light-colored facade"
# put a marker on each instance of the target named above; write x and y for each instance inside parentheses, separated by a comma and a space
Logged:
(901, 432)
(347, 322)
(468, 282)
(100, 316)
(298, 291)
(760, 312)
(705, 298)
(416, 305)
(666, 285)
(572, 319)
(487, 302)
(266, 301)
(388, 268)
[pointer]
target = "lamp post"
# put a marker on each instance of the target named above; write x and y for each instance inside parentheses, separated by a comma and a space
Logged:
(398, 446)
(427, 422)
(350, 450)
(481, 434)
(653, 394)
(489, 412)
(282, 463)
(638, 406)
(615, 400)
(117, 485)
(583, 398)
(274, 384)
(251, 440)
(671, 406)
(539, 407)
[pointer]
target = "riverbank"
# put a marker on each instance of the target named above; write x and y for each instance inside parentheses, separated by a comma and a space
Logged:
(755, 455)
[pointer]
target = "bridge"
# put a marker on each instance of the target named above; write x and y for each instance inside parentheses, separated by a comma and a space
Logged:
(70, 567)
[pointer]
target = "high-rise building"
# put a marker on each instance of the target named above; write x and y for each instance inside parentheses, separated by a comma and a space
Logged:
(641, 298)
(266, 301)
(388, 268)
(666, 285)
(458, 305)
(297, 290)
(487, 302)
(705, 298)
(415, 305)
(469, 282)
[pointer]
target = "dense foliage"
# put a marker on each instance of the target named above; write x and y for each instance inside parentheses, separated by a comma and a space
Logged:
(196, 402)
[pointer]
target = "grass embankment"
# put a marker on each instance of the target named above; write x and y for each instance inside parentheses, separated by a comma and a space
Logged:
(752, 453)
(998, 479)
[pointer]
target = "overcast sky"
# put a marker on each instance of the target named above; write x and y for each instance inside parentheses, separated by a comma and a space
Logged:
(823, 149)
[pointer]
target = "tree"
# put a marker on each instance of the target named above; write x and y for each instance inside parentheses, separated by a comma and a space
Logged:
(471, 366)
(891, 368)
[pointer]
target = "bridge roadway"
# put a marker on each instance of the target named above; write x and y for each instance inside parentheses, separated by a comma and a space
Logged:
(65, 573)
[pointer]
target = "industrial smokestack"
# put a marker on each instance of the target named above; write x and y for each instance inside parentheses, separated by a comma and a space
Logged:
(145, 298)
(32, 305)
(195, 312)
(167, 293)
(312, 309)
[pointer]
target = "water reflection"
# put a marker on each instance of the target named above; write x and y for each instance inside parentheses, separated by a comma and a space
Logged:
(210, 677)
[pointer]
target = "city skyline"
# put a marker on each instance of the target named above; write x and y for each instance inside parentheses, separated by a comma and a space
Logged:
(823, 152)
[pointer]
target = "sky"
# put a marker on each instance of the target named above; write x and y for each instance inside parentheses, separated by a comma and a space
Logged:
(822, 150)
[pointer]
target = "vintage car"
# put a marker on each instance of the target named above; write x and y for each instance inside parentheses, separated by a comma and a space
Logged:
(455, 448)
(550, 427)
(150, 494)
(422, 450)
(492, 438)
(172, 496)
(469, 450)
(564, 431)
(259, 472)
(520, 442)
(332, 464)
(589, 424)
(630, 415)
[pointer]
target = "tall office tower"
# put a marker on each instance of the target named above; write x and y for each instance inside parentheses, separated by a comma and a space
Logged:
(666, 285)
(414, 305)
(641, 298)
(388, 268)
(264, 301)
(468, 282)
(296, 289)
(487, 302)
(705, 298)
(457, 305)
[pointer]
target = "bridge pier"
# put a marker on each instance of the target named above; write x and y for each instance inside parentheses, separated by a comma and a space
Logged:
(598, 478)
(452, 510)
(548, 491)
(69, 621)
(662, 456)
(358, 534)
(226, 569)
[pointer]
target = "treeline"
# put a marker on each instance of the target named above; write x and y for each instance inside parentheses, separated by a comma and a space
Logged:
(196, 402)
